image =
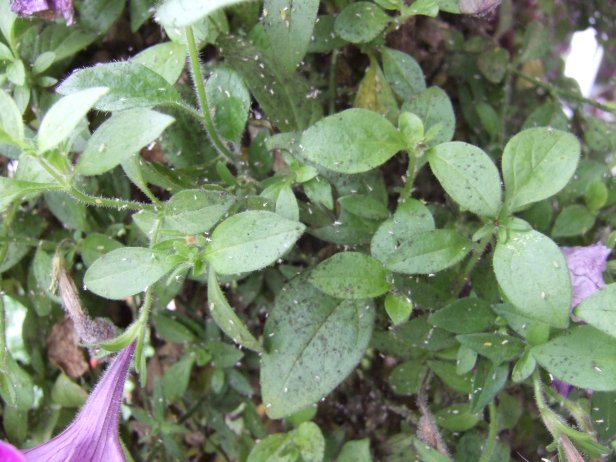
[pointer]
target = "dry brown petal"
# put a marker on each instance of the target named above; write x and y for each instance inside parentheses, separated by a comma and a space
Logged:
(62, 349)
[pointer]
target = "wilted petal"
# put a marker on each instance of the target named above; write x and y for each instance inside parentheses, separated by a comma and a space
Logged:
(65, 8)
(562, 387)
(10, 454)
(93, 435)
(586, 266)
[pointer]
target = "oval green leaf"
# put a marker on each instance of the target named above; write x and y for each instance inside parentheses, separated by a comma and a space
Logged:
(533, 275)
(194, 211)
(599, 310)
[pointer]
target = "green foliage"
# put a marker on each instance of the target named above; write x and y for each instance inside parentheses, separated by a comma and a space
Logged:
(297, 210)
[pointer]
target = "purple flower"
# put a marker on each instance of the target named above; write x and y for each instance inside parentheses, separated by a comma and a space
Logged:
(93, 435)
(9, 454)
(586, 266)
(45, 8)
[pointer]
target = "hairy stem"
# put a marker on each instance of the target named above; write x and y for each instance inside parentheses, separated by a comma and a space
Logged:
(488, 450)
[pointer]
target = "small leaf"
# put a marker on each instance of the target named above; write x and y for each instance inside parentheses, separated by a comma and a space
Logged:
(352, 141)
(364, 206)
(355, 451)
(11, 123)
(350, 275)
(582, 356)
(375, 94)
(573, 220)
(289, 25)
(194, 211)
(403, 73)
(166, 59)
(130, 85)
(434, 108)
(428, 252)
(63, 116)
(182, 13)
(127, 271)
(537, 163)
(488, 381)
(250, 241)
(464, 316)
(313, 341)
(360, 22)
(398, 308)
(225, 317)
(229, 102)
(532, 273)
(496, 347)
(119, 137)
(468, 175)
(599, 310)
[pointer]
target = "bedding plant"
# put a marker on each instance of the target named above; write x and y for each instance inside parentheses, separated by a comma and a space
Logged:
(323, 231)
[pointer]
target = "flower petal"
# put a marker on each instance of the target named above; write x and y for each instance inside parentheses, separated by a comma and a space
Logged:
(586, 266)
(93, 435)
(9, 453)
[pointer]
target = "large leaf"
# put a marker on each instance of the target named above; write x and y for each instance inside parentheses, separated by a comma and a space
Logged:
(289, 25)
(468, 175)
(120, 137)
(229, 102)
(360, 22)
(127, 271)
(313, 341)
(11, 124)
(167, 59)
(250, 241)
(583, 356)
(194, 211)
(350, 275)
(352, 141)
(533, 275)
(63, 116)
(599, 310)
(130, 85)
(434, 108)
(537, 163)
(403, 73)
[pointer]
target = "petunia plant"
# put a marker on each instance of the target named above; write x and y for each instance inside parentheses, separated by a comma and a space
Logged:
(326, 230)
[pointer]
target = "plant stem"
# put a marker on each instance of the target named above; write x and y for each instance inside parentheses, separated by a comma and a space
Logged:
(411, 171)
(206, 117)
(332, 81)
(470, 265)
(488, 450)
(557, 92)
(97, 201)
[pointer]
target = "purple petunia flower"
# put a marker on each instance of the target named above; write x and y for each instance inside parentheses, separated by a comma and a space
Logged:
(93, 435)
(586, 267)
(44, 7)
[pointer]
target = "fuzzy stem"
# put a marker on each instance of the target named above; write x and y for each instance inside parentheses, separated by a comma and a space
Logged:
(488, 450)
(206, 117)
(470, 266)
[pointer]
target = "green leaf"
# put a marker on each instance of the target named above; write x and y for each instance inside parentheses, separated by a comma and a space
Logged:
(468, 175)
(582, 356)
(286, 99)
(464, 316)
(493, 64)
(313, 341)
(536, 164)
(127, 271)
(250, 241)
(225, 317)
(194, 211)
(11, 189)
(130, 85)
(286, 204)
(67, 393)
(352, 141)
(182, 13)
(457, 418)
(64, 116)
(124, 134)
(177, 377)
(447, 373)
(398, 307)
(599, 310)
(166, 59)
(603, 414)
(533, 275)
(11, 123)
(573, 220)
(355, 451)
(364, 206)
(536, 42)
(289, 25)
(229, 102)
(488, 381)
(70, 212)
(496, 347)
(427, 453)
(434, 108)
(428, 252)
(360, 22)
(403, 73)
(16, 385)
(350, 275)
(305, 444)
(95, 245)
(407, 377)
(375, 94)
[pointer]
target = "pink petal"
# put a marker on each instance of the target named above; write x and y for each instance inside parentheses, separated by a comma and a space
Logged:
(9, 453)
